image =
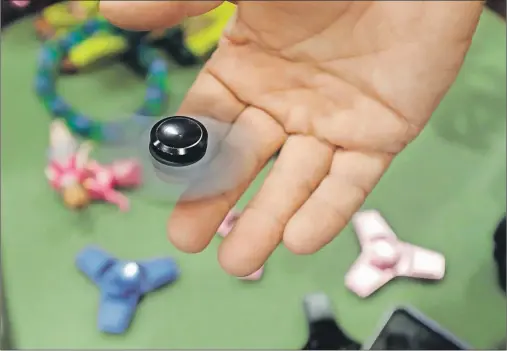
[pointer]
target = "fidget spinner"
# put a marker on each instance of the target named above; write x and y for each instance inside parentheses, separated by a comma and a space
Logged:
(384, 257)
(185, 158)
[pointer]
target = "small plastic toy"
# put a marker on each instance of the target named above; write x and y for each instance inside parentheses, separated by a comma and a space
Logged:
(188, 44)
(58, 19)
(61, 19)
(383, 257)
(202, 33)
(104, 179)
(122, 284)
(225, 228)
(323, 330)
(53, 51)
(79, 179)
(169, 41)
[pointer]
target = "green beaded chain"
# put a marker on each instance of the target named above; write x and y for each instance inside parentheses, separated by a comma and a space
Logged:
(53, 52)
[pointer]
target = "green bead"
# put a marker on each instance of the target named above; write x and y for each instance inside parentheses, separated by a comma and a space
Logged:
(96, 132)
(67, 115)
(46, 102)
(50, 94)
(150, 109)
(164, 86)
(79, 36)
(158, 81)
(104, 25)
(53, 50)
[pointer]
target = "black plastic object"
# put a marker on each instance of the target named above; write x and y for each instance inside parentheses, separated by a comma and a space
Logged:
(178, 141)
(408, 329)
(172, 42)
(130, 57)
(500, 238)
(324, 332)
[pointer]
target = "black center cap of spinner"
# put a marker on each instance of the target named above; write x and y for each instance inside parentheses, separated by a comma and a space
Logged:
(178, 141)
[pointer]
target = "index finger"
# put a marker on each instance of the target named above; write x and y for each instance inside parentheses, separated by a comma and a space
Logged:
(149, 15)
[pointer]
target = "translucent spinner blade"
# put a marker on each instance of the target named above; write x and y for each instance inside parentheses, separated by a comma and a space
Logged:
(222, 168)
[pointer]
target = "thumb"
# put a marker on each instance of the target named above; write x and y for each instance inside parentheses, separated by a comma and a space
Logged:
(149, 15)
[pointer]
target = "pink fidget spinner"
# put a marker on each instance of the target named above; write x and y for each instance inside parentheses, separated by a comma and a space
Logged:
(225, 228)
(384, 257)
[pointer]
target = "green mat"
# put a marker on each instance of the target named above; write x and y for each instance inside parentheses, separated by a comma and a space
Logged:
(446, 192)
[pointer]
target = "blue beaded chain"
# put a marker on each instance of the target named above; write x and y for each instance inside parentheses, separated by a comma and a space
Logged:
(52, 53)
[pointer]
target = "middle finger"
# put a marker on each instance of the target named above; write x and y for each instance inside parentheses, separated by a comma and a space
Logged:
(293, 178)
(193, 224)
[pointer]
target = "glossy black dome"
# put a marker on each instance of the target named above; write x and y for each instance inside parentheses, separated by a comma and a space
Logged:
(178, 141)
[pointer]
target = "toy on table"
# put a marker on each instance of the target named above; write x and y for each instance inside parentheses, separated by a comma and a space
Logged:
(169, 41)
(122, 284)
(225, 228)
(48, 70)
(384, 257)
(323, 331)
(202, 33)
(188, 44)
(188, 158)
(79, 179)
(59, 20)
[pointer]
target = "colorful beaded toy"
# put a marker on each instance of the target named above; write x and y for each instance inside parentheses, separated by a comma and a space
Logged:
(54, 51)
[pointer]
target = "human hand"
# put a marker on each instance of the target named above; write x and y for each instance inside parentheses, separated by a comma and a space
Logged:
(344, 86)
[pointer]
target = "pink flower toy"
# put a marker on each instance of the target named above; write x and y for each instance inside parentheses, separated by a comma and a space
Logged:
(79, 179)
(225, 228)
(104, 179)
(384, 257)
(66, 170)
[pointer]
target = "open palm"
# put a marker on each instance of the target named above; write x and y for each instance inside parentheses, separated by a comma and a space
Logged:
(343, 86)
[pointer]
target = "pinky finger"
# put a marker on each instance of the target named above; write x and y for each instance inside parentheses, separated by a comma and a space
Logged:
(328, 210)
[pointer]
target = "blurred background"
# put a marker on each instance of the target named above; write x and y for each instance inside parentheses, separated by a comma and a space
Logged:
(446, 193)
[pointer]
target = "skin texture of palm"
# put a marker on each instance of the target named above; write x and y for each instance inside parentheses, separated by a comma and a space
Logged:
(342, 86)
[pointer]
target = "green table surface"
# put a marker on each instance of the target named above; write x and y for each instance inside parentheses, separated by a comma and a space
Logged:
(445, 192)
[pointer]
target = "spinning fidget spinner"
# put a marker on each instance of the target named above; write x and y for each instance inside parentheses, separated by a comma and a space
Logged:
(186, 158)
(384, 257)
